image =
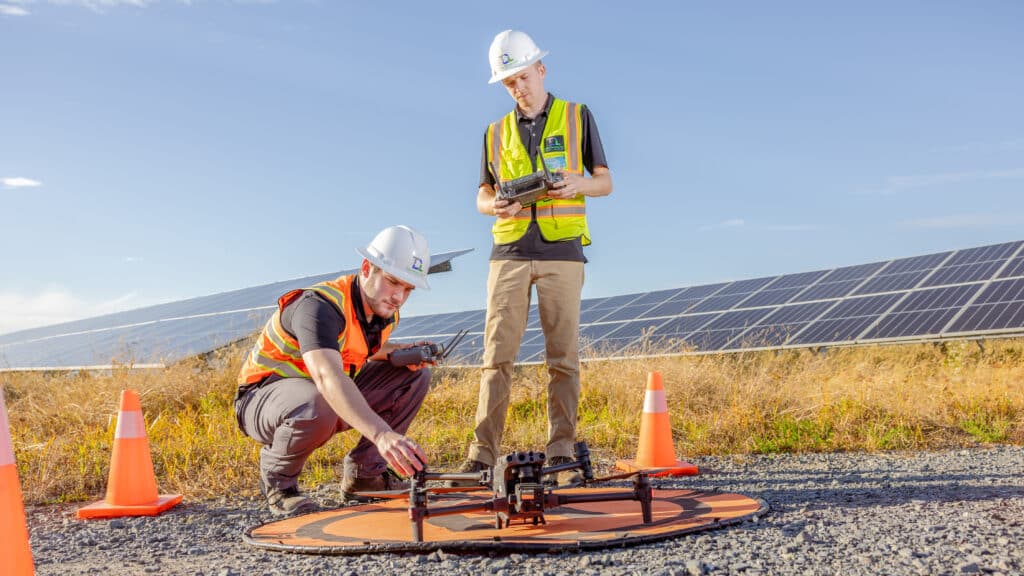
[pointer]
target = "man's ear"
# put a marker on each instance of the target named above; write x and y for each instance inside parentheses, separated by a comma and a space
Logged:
(364, 270)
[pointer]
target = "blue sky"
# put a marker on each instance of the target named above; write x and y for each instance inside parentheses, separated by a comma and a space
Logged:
(152, 151)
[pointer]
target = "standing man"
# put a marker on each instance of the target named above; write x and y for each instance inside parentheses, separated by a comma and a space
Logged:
(320, 367)
(541, 245)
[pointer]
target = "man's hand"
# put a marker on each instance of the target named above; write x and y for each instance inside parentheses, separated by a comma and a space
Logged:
(401, 453)
(398, 359)
(570, 186)
(503, 209)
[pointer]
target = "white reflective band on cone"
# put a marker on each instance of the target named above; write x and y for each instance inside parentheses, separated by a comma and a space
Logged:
(6, 451)
(654, 402)
(130, 425)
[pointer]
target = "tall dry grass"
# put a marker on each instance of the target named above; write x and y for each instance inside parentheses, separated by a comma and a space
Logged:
(873, 398)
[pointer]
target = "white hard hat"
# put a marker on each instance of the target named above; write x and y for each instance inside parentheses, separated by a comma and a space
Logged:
(401, 252)
(511, 52)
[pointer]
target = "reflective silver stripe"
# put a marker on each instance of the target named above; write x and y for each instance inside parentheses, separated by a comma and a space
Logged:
(285, 369)
(655, 402)
(496, 135)
(6, 449)
(130, 425)
(276, 338)
(337, 297)
(555, 211)
(572, 138)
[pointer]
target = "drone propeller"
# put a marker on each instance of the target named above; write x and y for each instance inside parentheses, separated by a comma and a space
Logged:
(404, 494)
(624, 475)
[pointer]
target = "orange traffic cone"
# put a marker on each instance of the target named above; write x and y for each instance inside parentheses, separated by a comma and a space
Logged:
(656, 453)
(131, 488)
(15, 554)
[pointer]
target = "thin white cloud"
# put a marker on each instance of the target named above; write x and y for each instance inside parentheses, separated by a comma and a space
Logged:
(741, 223)
(19, 182)
(132, 259)
(9, 10)
(100, 6)
(975, 220)
(731, 223)
(1011, 145)
(792, 228)
(16, 7)
(56, 304)
(897, 184)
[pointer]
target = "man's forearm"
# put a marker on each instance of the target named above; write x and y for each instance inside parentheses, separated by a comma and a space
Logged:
(485, 200)
(342, 395)
(599, 184)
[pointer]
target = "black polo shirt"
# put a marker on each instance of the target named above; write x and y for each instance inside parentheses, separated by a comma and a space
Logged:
(533, 246)
(315, 322)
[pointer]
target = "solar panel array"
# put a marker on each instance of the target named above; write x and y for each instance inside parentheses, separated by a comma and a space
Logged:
(956, 294)
(966, 293)
(159, 334)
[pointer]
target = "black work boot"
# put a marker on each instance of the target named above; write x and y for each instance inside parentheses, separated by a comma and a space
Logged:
(287, 501)
(468, 466)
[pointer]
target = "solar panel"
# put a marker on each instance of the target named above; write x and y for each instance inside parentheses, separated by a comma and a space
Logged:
(776, 328)
(975, 291)
(972, 292)
(716, 302)
(746, 286)
(159, 334)
(923, 312)
(827, 290)
(1015, 268)
(998, 307)
(725, 327)
(891, 282)
(681, 326)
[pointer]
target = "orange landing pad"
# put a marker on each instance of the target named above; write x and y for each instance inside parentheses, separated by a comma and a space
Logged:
(385, 526)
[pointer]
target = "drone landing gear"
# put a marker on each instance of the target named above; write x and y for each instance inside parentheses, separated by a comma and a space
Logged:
(519, 492)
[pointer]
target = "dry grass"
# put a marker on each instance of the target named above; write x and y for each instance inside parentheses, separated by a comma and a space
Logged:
(875, 398)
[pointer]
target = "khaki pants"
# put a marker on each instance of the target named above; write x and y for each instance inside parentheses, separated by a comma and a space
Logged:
(559, 284)
(292, 419)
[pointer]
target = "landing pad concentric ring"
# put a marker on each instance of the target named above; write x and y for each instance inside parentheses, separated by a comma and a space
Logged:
(385, 526)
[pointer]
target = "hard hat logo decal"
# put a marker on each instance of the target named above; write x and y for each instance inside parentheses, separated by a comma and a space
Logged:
(506, 59)
(417, 264)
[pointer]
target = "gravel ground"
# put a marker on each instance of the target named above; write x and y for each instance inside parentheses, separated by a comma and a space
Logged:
(948, 512)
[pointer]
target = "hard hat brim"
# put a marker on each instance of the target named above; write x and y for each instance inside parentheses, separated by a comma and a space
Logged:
(402, 275)
(495, 78)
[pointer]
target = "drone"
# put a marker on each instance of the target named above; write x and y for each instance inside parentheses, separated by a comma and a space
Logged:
(519, 493)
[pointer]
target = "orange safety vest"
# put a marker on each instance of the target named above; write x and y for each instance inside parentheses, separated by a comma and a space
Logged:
(277, 352)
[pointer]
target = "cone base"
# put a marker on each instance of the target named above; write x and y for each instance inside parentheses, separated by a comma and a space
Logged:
(102, 509)
(679, 468)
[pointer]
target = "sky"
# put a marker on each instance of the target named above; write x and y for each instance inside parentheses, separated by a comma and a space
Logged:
(157, 150)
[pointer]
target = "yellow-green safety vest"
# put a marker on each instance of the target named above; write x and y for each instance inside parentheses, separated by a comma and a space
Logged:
(561, 149)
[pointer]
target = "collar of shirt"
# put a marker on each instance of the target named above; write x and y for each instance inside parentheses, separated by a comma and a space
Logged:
(378, 324)
(544, 112)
